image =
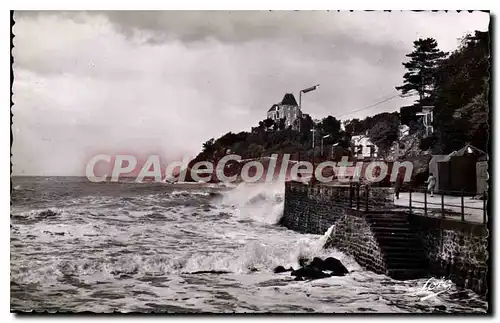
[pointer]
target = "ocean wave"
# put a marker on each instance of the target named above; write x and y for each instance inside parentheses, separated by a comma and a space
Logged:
(252, 256)
(261, 202)
(190, 193)
(46, 213)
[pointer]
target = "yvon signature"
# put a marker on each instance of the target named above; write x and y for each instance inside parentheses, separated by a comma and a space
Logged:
(434, 287)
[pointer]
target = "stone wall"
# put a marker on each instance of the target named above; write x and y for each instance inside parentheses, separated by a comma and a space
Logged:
(313, 209)
(455, 250)
(352, 235)
(311, 204)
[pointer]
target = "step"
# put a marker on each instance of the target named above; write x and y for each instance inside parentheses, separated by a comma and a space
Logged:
(386, 214)
(401, 243)
(386, 220)
(389, 226)
(395, 234)
(400, 257)
(415, 253)
(405, 257)
(405, 263)
(387, 217)
(406, 273)
(400, 249)
(382, 216)
(391, 229)
(394, 238)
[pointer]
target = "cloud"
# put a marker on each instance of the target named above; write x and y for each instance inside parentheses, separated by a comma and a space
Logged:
(165, 82)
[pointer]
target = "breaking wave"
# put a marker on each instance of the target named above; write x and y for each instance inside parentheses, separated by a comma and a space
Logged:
(262, 202)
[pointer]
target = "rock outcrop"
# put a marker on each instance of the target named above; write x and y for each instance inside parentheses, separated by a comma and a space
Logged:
(316, 269)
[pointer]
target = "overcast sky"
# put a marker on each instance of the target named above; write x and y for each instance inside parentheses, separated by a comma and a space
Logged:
(165, 82)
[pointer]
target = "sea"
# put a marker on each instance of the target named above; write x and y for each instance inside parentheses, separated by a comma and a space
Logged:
(185, 248)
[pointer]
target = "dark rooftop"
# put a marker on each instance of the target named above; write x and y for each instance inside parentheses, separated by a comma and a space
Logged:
(289, 99)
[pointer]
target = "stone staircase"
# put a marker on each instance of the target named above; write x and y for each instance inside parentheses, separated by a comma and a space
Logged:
(402, 248)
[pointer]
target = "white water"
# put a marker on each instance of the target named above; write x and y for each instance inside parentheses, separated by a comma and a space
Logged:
(133, 248)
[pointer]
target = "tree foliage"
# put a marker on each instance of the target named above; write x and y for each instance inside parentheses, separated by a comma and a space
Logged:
(420, 77)
(354, 127)
(332, 127)
(461, 95)
(273, 137)
(385, 131)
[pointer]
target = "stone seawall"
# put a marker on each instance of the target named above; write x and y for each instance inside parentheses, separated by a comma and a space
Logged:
(353, 236)
(455, 250)
(312, 210)
(386, 240)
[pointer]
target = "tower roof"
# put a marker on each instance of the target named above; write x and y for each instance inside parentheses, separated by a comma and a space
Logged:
(289, 99)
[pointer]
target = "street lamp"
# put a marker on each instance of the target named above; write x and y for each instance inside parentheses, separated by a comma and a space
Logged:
(309, 89)
(322, 138)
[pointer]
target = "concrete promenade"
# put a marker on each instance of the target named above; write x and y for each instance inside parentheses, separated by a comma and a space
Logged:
(473, 209)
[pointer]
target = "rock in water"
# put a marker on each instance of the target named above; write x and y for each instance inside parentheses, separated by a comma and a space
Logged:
(281, 269)
(317, 263)
(309, 272)
(303, 261)
(216, 272)
(335, 266)
(47, 214)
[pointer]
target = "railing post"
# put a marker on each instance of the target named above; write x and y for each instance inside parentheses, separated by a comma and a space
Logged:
(366, 197)
(357, 196)
(410, 199)
(425, 202)
(462, 205)
(484, 207)
(351, 191)
(442, 205)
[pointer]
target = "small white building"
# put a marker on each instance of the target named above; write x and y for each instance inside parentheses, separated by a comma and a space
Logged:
(404, 130)
(427, 119)
(363, 147)
(287, 109)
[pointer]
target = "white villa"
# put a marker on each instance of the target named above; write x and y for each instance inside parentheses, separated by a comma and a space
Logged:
(287, 109)
(363, 147)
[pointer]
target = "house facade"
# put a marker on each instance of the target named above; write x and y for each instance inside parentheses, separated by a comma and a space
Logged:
(363, 147)
(287, 109)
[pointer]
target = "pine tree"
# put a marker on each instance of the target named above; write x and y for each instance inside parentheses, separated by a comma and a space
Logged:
(420, 76)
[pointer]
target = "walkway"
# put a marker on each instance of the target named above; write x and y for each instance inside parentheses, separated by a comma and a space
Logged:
(473, 209)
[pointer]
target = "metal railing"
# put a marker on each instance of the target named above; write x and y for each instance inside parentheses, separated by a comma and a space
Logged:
(355, 196)
(459, 208)
(367, 198)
